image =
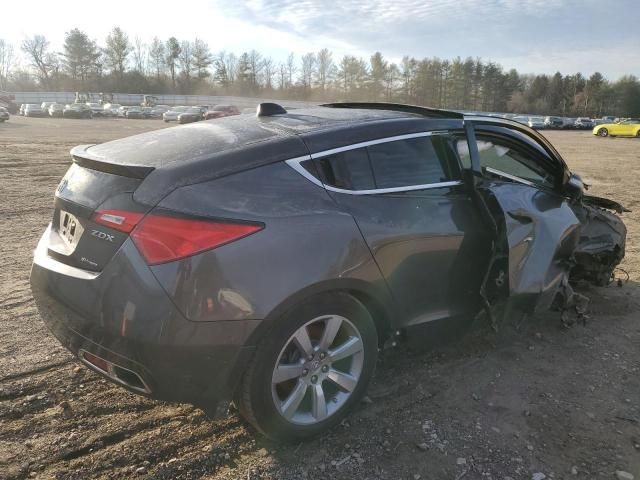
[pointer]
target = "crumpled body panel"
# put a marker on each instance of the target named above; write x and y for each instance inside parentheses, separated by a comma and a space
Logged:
(550, 242)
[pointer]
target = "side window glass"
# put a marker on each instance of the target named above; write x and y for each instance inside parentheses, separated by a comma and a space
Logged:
(349, 170)
(505, 156)
(415, 161)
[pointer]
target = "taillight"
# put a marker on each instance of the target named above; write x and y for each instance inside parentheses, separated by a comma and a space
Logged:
(162, 238)
(118, 219)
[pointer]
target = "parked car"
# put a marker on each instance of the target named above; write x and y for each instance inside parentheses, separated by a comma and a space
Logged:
(56, 110)
(569, 123)
(147, 112)
(261, 258)
(4, 114)
(583, 123)
(609, 119)
(134, 112)
(221, 111)
(158, 111)
(45, 106)
(536, 122)
(626, 128)
(77, 110)
(521, 119)
(96, 108)
(111, 109)
(122, 111)
(193, 114)
(22, 107)
(33, 110)
(172, 115)
(553, 122)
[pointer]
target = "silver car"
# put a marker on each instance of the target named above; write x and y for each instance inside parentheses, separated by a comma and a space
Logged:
(172, 114)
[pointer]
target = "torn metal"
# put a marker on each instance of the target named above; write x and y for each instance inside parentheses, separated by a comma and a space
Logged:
(545, 244)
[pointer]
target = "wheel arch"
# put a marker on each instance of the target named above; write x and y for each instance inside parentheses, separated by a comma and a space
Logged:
(375, 299)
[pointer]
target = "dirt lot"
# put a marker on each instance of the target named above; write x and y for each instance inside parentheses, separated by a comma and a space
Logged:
(538, 399)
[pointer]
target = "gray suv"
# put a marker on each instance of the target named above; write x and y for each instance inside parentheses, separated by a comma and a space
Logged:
(264, 259)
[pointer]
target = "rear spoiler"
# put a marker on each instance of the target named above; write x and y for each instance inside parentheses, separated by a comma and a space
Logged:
(86, 159)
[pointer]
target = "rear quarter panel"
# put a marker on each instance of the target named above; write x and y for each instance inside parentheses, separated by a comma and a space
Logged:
(307, 246)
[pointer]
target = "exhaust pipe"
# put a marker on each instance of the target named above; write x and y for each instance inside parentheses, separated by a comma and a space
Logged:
(118, 374)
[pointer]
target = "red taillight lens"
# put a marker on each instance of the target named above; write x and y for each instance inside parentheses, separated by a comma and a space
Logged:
(163, 239)
(118, 219)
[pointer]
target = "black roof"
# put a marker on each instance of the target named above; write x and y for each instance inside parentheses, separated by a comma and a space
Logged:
(210, 149)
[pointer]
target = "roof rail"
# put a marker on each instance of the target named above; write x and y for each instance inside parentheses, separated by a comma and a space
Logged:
(398, 107)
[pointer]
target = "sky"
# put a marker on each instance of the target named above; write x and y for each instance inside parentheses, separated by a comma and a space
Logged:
(533, 36)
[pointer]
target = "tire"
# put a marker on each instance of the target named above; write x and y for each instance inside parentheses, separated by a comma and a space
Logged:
(603, 132)
(638, 133)
(315, 380)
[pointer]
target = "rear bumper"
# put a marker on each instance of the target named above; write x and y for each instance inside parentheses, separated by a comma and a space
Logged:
(123, 315)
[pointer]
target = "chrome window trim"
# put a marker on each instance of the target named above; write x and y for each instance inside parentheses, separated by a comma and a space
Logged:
(295, 163)
(408, 188)
(510, 177)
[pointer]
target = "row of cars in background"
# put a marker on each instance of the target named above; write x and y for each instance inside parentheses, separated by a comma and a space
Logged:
(180, 114)
(608, 126)
(558, 123)
(185, 114)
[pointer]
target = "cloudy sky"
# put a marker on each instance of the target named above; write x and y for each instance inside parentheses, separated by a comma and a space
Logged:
(537, 36)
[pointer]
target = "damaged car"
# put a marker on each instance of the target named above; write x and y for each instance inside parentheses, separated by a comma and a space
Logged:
(265, 259)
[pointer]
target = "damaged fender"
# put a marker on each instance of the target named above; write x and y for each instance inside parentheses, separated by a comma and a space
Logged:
(549, 243)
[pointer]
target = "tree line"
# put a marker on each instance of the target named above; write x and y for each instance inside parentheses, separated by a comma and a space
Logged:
(129, 65)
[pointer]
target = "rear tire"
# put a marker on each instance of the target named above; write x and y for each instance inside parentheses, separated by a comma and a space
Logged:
(603, 132)
(290, 395)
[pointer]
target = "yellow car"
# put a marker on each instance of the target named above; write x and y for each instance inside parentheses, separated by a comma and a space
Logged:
(625, 128)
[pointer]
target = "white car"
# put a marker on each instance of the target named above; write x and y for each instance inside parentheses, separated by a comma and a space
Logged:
(55, 109)
(33, 110)
(172, 115)
(111, 109)
(96, 108)
(536, 123)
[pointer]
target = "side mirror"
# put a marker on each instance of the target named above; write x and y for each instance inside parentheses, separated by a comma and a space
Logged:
(575, 187)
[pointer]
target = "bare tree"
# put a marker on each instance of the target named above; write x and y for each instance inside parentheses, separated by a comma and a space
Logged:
(139, 55)
(283, 77)
(157, 56)
(36, 48)
(308, 66)
(6, 61)
(325, 68)
(256, 66)
(185, 61)
(232, 66)
(291, 68)
(269, 72)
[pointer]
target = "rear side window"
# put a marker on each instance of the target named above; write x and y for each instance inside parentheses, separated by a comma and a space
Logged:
(349, 170)
(415, 161)
(401, 163)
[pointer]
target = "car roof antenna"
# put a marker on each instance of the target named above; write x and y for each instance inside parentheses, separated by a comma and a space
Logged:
(268, 109)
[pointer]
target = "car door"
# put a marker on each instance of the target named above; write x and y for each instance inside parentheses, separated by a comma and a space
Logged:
(539, 228)
(407, 198)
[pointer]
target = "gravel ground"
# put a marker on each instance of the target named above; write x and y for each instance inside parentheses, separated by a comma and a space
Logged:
(533, 401)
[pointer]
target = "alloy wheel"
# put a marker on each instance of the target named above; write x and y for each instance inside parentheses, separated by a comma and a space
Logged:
(317, 370)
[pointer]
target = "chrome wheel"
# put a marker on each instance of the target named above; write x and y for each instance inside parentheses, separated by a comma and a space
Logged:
(317, 370)
(603, 132)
